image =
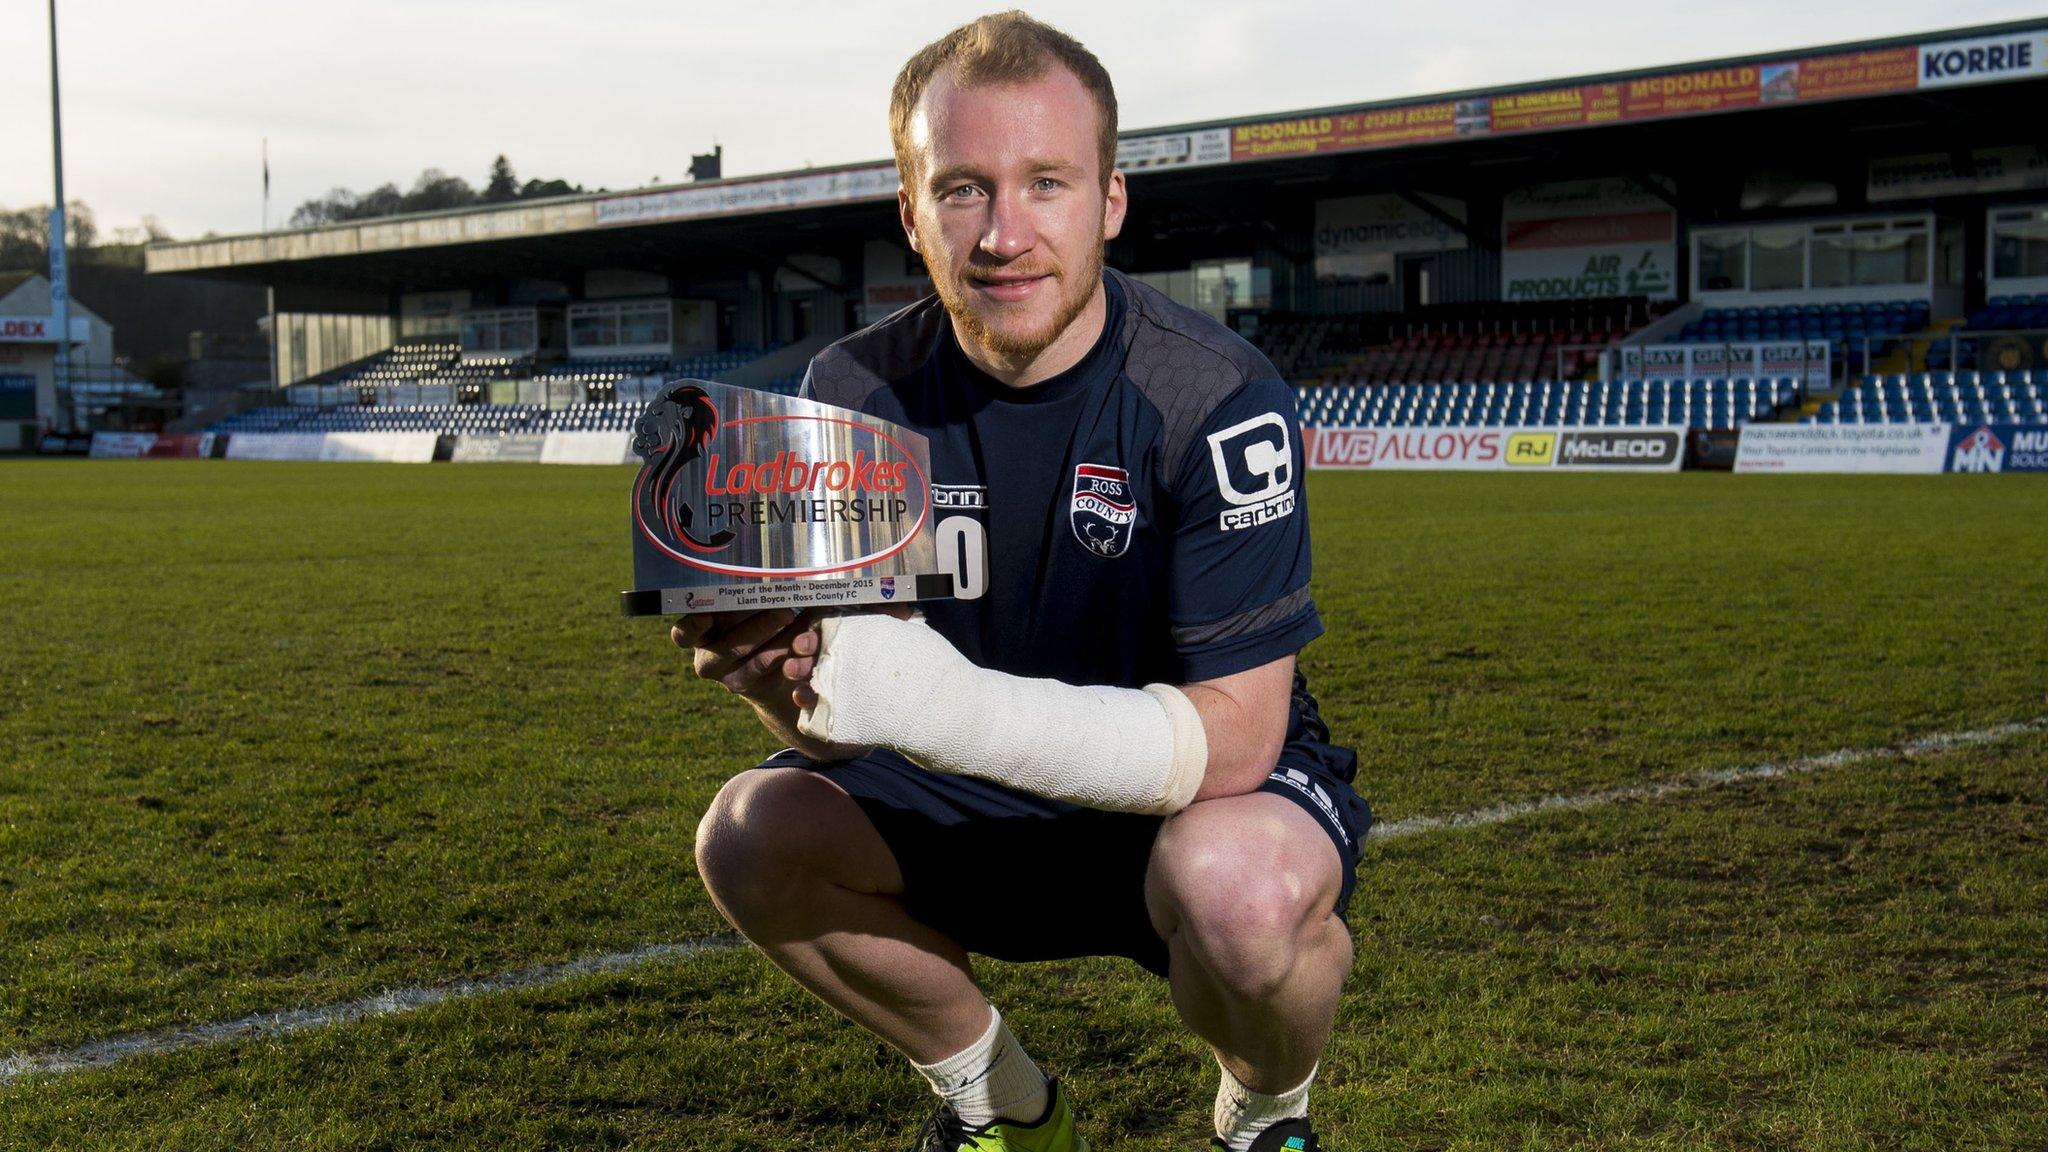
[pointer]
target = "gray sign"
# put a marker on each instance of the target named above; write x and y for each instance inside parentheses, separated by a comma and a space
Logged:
(748, 500)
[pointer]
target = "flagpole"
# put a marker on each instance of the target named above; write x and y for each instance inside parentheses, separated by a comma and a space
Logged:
(60, 285)
(266, 184)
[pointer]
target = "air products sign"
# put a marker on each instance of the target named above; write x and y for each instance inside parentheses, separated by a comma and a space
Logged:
(1588, 239)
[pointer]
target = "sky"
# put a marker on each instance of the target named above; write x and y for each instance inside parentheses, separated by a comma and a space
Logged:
(166, 105)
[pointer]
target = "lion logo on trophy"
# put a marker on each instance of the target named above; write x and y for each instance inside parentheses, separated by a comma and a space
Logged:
(669, 436)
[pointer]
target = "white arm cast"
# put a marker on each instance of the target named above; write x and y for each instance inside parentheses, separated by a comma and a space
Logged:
(898, 684)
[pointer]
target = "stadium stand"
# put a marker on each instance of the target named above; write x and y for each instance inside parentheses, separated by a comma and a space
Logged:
(468, 419)
(1709, 404)
(1941, 397)
(1304, 345)
(425, 362)
(444, 363)
(479, 419)
(2000, 314)
(430, 364)
(1491, 343)
(402, 364)
(463, 419)
(2008, 312)
(1844, 325)
(604, 370)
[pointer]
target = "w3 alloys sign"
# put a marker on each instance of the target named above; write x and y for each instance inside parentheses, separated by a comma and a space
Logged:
(1528, 449)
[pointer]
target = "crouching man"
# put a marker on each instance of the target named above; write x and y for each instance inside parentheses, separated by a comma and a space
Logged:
(1102, 746)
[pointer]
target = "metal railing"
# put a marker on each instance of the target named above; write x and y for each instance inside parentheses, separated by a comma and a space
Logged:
(1982, 350)
(94, 390)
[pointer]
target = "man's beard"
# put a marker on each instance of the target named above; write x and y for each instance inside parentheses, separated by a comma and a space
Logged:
(1016, 346)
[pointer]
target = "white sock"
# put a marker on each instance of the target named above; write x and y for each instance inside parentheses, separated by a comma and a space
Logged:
(1241, 1114)
(991, 1078)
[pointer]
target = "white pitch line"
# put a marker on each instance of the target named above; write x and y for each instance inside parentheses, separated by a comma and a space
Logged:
(268, 1024)
(105, 1053)
(1696, 781)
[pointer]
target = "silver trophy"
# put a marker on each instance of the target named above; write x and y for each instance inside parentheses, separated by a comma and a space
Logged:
(748, 500)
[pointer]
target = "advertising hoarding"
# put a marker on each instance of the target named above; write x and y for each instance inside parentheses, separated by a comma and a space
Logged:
(1806, 360)
(1890, 448)
(1999, 448)
(1477, 449)
(1356, 236)
(1587, 239)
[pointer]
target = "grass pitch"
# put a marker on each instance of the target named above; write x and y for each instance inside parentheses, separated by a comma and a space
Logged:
(289, 735)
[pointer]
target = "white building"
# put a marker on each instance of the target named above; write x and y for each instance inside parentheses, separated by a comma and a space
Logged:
(28, 355)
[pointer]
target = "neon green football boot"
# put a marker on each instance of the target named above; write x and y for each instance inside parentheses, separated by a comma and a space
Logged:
(1052, 1132)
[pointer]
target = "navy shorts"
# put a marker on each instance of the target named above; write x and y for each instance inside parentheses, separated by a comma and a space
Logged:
(1021, 878)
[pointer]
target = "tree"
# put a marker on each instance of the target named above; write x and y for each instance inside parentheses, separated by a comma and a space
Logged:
(25, 235)
(323, 209)
(78, 222)
(383, 200)
(538, 189)
(503, 185)
(435, 190)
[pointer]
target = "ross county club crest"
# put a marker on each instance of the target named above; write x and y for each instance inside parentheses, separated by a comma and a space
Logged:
(1104, 510)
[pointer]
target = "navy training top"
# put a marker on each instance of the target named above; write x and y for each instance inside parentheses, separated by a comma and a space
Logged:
(1138, 518)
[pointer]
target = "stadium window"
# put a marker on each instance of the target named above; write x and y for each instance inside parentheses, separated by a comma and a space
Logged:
(643, 325)
(2019, 244)
(480, 333)
(1831, 258)
(516, 334)
(593, 330)
(1723, 264)
(1777, 259)
(1898, 257)
(1870, 254)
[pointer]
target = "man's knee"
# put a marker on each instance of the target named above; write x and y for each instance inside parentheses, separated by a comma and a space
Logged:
(1244, 886)
(771, 832)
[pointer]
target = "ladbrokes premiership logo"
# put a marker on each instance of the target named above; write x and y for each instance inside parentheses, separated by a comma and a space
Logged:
(748, 500)
(759, 495)
(1104, 510)
(671, 436)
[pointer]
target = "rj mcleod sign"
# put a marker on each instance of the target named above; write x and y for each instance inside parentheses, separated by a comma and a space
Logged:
(747, 500)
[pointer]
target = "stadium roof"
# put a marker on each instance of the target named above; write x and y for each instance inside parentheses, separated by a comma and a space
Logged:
(738, 216)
